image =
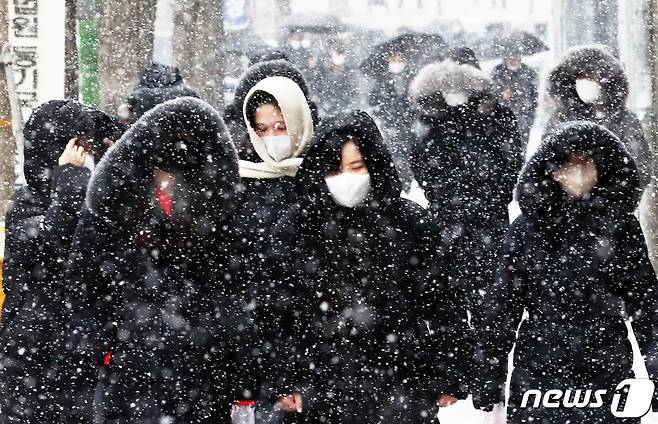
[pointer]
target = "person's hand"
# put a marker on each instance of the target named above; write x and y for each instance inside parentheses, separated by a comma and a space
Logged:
(108, 142)
(445, 400)
(73, 154)
(291, 403)
(498, 415)
(507, 94)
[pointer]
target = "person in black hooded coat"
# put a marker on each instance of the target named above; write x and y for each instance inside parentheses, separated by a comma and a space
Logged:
(383, 336)
(466, 159)
(256, 73)
(516, 85)
(157, 84)
(40, 224)
(604, 104)
(148, 279)
(578, 264)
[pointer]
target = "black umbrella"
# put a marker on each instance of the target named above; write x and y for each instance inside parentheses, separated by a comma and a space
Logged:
(417, 48)
(513, 44)
(315, 23)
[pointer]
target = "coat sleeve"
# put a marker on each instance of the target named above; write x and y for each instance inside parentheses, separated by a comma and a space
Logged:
(641, 297)
(437, 171)
(91, 296)
(632, 134)
(38, 232)
(513, 146)
(34, 227)
(442, 352)
(504, 303)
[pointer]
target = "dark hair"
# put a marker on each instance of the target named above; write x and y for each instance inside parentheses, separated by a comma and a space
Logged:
(258, 99)
(334, 143)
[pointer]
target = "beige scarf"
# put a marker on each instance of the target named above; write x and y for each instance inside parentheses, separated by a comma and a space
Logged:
(299, 123)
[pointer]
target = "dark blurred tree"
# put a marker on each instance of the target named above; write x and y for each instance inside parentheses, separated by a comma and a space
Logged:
(71, 72)
(199, 48)
(125, 47)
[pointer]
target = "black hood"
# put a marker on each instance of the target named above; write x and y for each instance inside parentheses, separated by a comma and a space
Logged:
(595, 61)
(50, 128)
(617, 190)
(323, 158)
(260, 71)
(157, 75)
(427, 91)
(184, 136)
(157, 84)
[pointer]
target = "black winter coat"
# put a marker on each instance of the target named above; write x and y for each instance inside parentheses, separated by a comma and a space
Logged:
(466, 160)
(522, 83)
(252, 76)
(610, 111)
(40, 224)
(263, 227)
(380, 320)
(579, 268)
(152, 288)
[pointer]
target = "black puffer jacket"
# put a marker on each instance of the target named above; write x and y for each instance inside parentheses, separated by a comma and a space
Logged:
(610, 110)
(256, 73)
(151, 287)
(579, 268)
(157, 84)
(466, 160)
(380, 321)
(40, 224)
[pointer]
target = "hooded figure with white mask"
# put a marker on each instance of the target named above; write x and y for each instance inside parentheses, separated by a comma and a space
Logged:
(575, 264)
(466, 160)
(280, 126)
(380, 320)
(589, 83)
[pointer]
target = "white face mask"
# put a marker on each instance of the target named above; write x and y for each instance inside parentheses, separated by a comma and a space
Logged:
(123, 111)
(338, 59)
(279, 147)
(456, 98)
(89, 162)
(577, 181)
(396, 67)
(295, 44)
(589, 91)
(514, 67)
(306, 43)
(349, 189)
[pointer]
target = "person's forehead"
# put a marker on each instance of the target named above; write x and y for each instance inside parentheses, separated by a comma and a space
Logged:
(268, 111)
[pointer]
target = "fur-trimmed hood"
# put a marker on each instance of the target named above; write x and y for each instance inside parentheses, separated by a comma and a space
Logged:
(594, 61)
(184, 136)
(434, 82)
(617, 190)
